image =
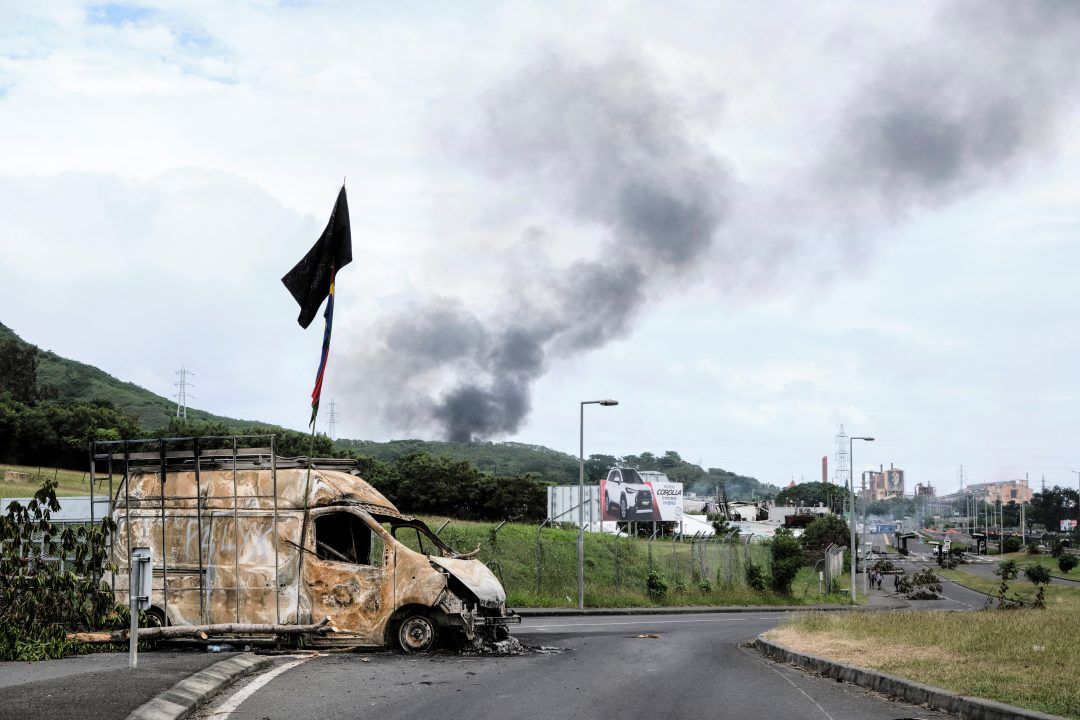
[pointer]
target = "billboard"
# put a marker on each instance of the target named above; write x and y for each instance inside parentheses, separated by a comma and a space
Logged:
(626, 495)
(1068, 525)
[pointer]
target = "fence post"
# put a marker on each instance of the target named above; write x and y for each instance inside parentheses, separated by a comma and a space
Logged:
(539, 557)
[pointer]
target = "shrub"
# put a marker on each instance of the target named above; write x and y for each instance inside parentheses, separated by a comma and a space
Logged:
(1067, 563)
(705, 586)
(39, 601)
(824, 531)
(680, 584)
(1059, 547)
(1039, 576)
(786, 555)
(656, 585)
(1011, 544)
(755, 576)
(1033, 548)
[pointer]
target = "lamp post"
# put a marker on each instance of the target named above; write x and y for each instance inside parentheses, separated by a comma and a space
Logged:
(1077, 498)
(581, 500)
(851, 492)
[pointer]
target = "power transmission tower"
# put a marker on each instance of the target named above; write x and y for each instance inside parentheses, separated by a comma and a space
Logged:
(182, 396)
(332, 422)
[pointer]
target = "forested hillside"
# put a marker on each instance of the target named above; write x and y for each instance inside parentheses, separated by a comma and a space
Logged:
(51, 406)
(62, 378)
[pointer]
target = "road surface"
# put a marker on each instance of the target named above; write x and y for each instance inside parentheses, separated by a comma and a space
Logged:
(694, 668)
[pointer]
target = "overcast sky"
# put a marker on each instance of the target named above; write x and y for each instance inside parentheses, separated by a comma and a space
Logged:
(748, 222)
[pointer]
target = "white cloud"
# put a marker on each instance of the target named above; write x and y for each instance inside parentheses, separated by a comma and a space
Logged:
(164, 165)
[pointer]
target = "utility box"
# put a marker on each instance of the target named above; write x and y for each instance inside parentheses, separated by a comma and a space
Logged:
(142, 576)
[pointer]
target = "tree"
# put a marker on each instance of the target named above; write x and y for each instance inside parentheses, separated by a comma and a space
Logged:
(1050, 507)
(813, 494)
(786, 555)
(825, 530)
(18, 370)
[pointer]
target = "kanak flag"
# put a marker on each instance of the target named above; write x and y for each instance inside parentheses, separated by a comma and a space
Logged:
(312, 281)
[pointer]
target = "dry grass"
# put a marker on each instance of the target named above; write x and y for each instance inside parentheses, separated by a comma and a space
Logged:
(1022, 657)
(71, 482)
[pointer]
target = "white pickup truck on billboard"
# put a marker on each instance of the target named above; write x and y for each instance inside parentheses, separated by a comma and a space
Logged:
(626, 495)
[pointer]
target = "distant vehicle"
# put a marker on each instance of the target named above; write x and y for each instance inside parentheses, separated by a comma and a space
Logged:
(627, 492)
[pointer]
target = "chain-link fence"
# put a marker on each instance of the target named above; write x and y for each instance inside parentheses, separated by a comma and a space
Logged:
(538, 565)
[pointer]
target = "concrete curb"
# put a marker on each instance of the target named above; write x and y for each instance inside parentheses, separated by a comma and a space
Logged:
(184, 697)
(935, 698)
(574, 612)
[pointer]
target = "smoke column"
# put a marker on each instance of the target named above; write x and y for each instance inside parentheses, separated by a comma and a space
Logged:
(602, 143)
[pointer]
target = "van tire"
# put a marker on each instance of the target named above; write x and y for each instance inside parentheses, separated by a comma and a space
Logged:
(155, 617)
(416, 633)
(622, 508)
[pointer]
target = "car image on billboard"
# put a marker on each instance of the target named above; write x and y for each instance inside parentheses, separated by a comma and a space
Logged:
(627, 496)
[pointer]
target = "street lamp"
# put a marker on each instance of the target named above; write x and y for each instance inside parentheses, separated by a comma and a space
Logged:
(1077, 498)
(851, 491)
(581, 500)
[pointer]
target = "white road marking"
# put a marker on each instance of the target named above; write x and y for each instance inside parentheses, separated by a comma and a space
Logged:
(792, 682)
(226, 708)
(526, 628)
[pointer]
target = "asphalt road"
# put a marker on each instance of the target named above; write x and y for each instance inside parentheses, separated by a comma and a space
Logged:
(694, 668)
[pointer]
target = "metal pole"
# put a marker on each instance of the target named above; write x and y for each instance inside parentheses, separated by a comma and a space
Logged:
(133, 610)
(862, 538)
(851, 495)
(581, 498)
(581, 511)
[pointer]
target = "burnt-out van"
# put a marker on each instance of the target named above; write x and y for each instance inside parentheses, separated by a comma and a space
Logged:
(241, 536)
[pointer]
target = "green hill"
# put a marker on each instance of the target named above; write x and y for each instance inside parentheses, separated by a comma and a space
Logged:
(73, 380)
(67, 379)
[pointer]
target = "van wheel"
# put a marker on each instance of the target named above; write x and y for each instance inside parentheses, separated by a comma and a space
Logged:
(155, 617)
(416, 634)
(622, 508)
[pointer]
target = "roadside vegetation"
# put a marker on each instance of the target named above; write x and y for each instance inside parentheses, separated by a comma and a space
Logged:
(68, 482)
(633, 572)
(1023, 656)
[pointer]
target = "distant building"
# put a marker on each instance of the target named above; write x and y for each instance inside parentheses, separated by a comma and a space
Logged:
(1005, 491)
(885, 484)
(926, 490)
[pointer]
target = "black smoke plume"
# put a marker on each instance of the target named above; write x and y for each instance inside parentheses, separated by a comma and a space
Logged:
(603, 143)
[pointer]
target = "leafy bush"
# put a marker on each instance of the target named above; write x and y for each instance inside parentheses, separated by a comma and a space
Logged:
(1011, 544)
(786, 555)
(1033, 548)
(1067, 563)
(39, 601)
(1039, 576)
(824, 531)
(755, 576)
(705, 586)
(680, 584)
(656, 585)
(1059, 547)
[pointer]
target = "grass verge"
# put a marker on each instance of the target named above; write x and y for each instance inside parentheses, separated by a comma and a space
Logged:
(70, 482)
(1021, 657)
(540, 570)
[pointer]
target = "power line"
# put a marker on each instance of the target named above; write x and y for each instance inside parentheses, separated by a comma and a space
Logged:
(182, 396)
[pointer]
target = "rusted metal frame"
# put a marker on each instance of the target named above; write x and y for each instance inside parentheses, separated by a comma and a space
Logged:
(236, 536)
(91, 449)
(112, 507)
(442, 527)
(303, 530)
(277, 565)
(164, 547)
(198, 529)
(127, 514)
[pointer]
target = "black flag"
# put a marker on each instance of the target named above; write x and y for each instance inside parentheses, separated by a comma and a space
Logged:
(310, 281)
